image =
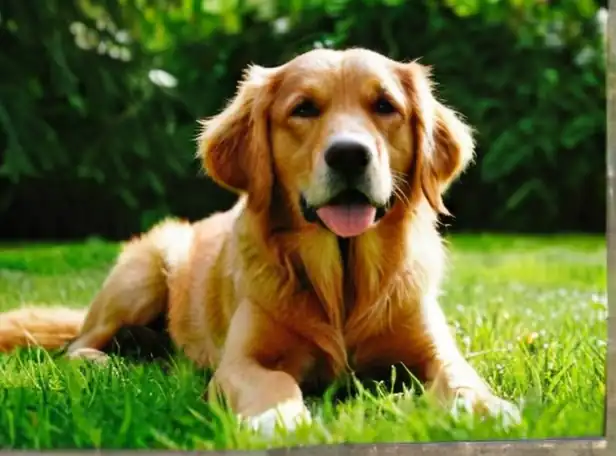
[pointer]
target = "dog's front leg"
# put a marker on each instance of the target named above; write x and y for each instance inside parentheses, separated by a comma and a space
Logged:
(258, 375)
(449, 376)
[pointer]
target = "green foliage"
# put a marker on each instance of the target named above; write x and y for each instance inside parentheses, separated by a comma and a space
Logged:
(105, 145)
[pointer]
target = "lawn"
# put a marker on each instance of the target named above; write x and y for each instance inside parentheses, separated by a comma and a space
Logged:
(529, 312)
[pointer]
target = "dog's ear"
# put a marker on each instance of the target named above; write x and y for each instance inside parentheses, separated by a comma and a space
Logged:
(444, 143)
(234, 145)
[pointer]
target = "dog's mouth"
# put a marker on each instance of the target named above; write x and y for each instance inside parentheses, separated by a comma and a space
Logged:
(348, 214)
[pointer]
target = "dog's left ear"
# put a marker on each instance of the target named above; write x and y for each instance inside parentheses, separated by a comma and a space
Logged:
(444, 143)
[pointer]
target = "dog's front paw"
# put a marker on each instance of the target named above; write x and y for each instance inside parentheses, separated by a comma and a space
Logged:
(486, 405)
(287, 416)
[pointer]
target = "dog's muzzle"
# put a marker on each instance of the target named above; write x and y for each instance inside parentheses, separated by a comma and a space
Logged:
(351, 208)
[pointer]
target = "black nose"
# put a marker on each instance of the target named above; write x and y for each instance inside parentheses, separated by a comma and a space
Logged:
(348, 157)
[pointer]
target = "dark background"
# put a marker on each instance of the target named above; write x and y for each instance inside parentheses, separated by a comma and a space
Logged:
(93, 144)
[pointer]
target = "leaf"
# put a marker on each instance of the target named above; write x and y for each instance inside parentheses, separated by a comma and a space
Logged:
(523, 192)
(504, 157)
(551, 75)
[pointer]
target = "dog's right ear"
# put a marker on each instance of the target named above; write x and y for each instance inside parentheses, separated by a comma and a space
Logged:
(234, 145)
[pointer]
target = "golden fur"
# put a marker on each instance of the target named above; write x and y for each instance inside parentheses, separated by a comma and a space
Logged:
(262, 295)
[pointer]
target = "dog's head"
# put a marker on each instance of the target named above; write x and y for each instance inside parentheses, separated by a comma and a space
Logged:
(346, 135)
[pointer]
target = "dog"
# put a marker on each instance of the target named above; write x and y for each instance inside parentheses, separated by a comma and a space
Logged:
(330, 261)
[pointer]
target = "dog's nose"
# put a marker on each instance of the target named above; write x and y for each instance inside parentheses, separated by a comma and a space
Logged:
(348, 157)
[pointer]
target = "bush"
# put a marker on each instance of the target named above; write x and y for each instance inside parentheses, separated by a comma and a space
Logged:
(98, 103)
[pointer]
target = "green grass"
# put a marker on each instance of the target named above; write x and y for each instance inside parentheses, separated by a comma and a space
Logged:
(529, 312)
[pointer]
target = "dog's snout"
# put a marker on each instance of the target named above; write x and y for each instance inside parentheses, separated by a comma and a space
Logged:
(348, 157)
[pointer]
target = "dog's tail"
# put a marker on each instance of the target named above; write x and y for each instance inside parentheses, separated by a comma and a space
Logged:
(46, 327)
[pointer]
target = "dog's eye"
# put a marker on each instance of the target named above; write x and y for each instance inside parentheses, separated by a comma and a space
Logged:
(305, 109)
(383, 106)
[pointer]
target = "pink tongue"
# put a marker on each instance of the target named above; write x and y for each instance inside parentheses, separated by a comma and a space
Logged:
(347, 220)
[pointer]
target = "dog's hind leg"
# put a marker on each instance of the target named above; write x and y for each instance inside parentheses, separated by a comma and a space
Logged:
(135, 291)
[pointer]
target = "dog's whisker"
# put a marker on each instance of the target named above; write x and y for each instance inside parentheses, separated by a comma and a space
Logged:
(400, 194)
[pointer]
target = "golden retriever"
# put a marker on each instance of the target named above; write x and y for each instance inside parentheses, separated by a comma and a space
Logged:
(329, 262)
